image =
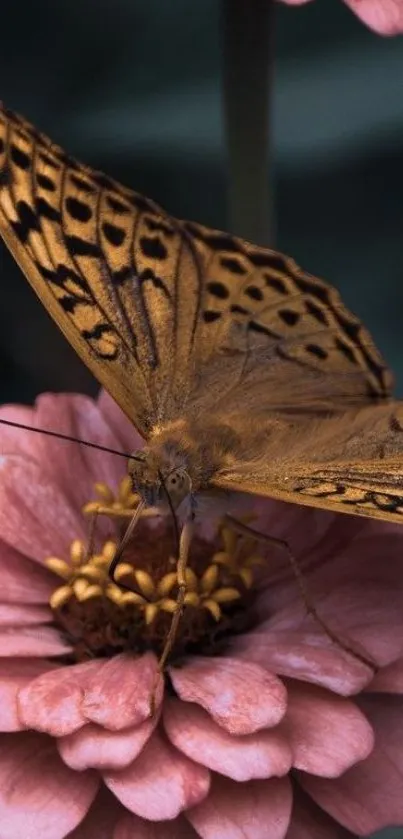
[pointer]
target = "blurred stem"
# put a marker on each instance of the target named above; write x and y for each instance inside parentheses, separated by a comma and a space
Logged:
(247, 37)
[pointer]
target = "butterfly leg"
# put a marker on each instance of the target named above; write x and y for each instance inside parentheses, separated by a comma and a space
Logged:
(246, 530)
(184, 546)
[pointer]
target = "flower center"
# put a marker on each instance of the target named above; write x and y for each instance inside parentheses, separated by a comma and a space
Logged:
(102, 618)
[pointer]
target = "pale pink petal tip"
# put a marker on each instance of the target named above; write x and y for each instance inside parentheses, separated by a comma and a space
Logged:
(383, 16)
(260, 755)
(241, 697)
(161, 783)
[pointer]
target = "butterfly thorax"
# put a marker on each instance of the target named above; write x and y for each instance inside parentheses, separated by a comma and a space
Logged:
(181, 458)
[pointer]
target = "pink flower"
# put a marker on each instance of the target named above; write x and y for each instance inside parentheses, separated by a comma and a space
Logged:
(263, 728)
(383, 16)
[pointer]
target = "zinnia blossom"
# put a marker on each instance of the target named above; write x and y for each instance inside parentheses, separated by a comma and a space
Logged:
(383, 16)
(262, 726)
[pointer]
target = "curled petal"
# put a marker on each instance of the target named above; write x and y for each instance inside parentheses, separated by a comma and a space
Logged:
(93, 747)
(368, 796)
(122, 691)
(241, 697)
(160, 783)
(52, 702)
(328, 734)
(259, 755)
(255, 810)
(39, 795)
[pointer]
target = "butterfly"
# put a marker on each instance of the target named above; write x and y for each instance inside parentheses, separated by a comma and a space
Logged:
(243, 373)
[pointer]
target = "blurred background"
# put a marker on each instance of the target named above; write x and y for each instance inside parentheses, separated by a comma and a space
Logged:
(135, 89)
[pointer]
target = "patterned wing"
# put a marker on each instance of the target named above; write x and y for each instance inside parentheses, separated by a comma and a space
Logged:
(350, 463)
(171, 317)
(113, 270)
(276, 337)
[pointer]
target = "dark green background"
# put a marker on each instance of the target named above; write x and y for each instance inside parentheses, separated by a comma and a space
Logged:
(135, 89)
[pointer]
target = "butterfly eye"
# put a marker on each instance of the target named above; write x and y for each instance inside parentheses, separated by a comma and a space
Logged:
(178, 485)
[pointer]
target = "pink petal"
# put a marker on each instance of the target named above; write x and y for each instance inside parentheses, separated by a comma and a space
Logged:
(255, 810)
(35, 516)
(22, 581)
(13, 615)
(95, 748)
(242, 697)
(28, 641)
(193, 732)
(119, 693)
(307, 655)
(161, 783)
(39, 795)
(369, 796)
(14, 675)
(383, 16)
(327, 734)
(131, 827)
(78, 467)
(52, 703)
(309, 822)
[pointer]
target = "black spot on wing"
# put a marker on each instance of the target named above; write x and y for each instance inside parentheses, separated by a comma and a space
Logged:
(289, 317)
(119, 278)
(346, 350)
(276, 284)
(45, 183)
(27, 222)
(317, 351)
(153, 247)
(19, 157)
(210, 316)
(80, 247)
(218, 290)
(233, 265)
(254, 292)
(99, 332)
(78, 210)
(316, 312)
(114, 234)
(46, 210)
(6, 178)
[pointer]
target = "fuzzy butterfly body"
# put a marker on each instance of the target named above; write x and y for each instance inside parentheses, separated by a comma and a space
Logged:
(230, 361)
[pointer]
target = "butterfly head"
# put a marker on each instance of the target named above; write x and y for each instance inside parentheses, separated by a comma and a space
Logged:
(154, 481)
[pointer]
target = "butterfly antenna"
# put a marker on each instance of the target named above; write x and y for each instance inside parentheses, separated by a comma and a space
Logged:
(68, 438)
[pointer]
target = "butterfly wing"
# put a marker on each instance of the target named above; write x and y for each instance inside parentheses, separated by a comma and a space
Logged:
(175, 319)
(277, 337)
(350, 462)
(108, 265)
